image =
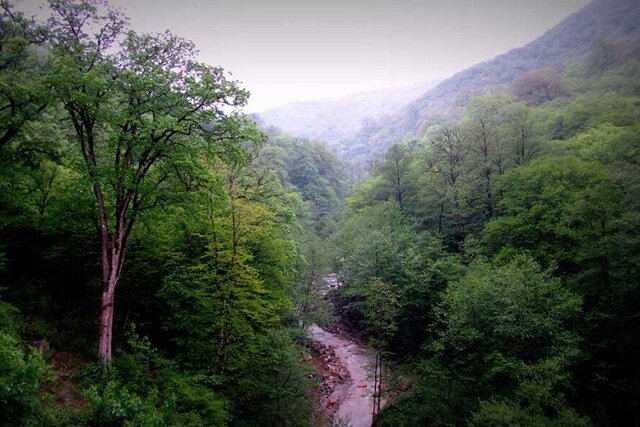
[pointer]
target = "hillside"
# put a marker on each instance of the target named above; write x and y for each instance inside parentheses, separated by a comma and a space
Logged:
(336, 120)
(165, 260)
(570, 39)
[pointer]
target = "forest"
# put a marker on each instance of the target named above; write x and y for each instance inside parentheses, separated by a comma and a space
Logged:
(510, 242)
(163, 253)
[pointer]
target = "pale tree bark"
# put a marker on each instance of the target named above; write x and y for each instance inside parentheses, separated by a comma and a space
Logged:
(111, 244)
(108, 105)
(113, 248)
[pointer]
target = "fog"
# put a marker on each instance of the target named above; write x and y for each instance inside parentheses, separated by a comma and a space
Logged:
(285, 50)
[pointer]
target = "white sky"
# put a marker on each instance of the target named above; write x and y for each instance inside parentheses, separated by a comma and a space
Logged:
(288, 50)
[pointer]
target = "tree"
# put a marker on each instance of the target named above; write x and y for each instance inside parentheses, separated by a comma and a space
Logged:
(382, 307)
(561, 210)
(524, 134)
(132, 113)
(603, 55)
(23, 91)
(373, 242)
(537, 87)
(427, 270)
(503, 326)
(275, 391)
(312, 270)
(21, 372)
(394, 168)
(534, 402)
(317, 174)
(448, 160)
(483, 124)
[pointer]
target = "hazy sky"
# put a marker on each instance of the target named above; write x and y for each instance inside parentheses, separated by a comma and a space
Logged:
(287, 50)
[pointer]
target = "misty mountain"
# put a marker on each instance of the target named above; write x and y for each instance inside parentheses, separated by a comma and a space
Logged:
(337, 120)
(569, 40)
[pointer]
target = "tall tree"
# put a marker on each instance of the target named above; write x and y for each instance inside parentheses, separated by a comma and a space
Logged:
(395, 169)
(447, 160)
(382, 306)
(485, 117)
(133, 112)
(524, 134)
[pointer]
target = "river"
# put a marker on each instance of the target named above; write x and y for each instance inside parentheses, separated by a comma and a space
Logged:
(354, 397)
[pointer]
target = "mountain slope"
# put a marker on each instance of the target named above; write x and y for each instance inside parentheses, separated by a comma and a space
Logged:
(338, 119)
(570, 39)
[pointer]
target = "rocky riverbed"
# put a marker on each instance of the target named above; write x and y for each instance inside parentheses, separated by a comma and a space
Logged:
(346, 389)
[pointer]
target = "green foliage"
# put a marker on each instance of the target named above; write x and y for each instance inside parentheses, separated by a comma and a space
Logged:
(115, 405)
(195, 402)
(503, 337)
(533, 403)
(315, 173)
(428, 269)
(552, 206)
(275, 390)
(7, 312)
(315, 263)
(23, 87)
(210, 224)
(381, 306)
(512, 311)
(372, 242)
(394, 170)
(22, 373)
(532, 322)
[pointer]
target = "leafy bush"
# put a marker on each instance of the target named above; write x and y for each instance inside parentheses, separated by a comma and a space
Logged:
(21, 374)
(114, 405)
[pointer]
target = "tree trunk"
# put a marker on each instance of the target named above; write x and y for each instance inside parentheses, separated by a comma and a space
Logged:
(375, 388)
(106, 324)
(113, 250)
(107, 300)
(489, 196)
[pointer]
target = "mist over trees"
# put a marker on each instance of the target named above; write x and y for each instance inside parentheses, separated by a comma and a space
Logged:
(141, 207)
(510, 238)
(162, 254)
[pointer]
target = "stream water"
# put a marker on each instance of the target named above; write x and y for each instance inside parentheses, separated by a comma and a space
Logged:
(355, 396)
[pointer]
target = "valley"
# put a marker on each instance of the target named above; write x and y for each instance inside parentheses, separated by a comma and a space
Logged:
(460, 252)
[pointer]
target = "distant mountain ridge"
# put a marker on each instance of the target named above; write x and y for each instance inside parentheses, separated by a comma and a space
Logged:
(570, 39)
(336, 120)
